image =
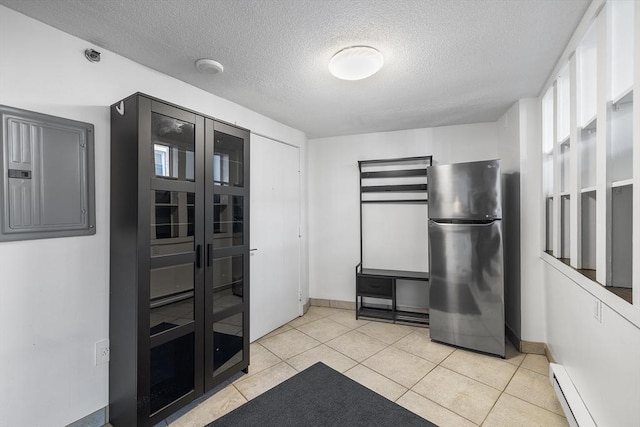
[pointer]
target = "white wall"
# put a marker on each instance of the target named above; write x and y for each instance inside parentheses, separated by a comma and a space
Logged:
(557, 304)
(334, 242)
(519, 149)
(54, 293)
(509, 152)
(602, 359)
(533, 319)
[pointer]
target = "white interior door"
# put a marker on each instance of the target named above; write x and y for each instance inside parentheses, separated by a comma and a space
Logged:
(275, 242)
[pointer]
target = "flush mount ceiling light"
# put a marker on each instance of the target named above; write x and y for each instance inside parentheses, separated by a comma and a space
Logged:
(356, 63)
(209, 66)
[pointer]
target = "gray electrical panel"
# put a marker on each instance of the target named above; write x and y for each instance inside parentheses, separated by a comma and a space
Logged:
(47, 180)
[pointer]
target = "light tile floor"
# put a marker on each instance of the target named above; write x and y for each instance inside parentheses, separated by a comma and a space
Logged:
(448, 386)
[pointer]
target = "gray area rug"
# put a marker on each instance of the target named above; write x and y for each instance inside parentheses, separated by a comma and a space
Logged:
(320, 396)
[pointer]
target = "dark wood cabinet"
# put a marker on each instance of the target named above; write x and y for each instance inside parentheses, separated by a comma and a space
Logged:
(179, 276)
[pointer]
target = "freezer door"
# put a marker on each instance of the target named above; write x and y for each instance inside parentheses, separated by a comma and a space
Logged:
(469, 191)
(466, 299)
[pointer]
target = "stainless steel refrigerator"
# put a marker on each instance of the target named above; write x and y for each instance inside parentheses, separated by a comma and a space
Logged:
(466, 296)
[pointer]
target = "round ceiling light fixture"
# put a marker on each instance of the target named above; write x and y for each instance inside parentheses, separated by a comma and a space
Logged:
(356, 63)
(209, 66)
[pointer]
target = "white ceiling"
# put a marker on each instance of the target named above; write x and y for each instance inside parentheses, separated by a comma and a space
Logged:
(446, 61)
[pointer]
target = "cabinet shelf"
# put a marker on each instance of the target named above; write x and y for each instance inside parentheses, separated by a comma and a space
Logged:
(622, 183)
(591, 124)
(394, 173)
(398, 274)
(382, 284)
(624, 97)
(564, 141)
(393, 315)
(389, 179)
(407, 188)
(404, 201)
(170, 299)
(227, 285)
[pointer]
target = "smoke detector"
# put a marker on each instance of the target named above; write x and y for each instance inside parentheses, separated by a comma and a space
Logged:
(209, 66)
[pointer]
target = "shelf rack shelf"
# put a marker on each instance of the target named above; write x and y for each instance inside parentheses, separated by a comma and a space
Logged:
(394, 181)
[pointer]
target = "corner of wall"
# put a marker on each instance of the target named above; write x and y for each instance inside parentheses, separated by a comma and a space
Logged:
(532, 296)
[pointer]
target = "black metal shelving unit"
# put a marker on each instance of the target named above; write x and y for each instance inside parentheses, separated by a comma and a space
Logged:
(386, 185)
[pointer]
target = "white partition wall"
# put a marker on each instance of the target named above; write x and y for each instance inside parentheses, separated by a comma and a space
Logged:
(592, 300)
(591, 136)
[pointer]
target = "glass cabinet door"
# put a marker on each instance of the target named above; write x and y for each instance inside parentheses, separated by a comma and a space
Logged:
(175, 249)
(171, 281)
(173, 143)
(228, 343)
(226, 223)
(172, 367)
(172, 296)
(228, 220)
(228, 306)
(228, 160)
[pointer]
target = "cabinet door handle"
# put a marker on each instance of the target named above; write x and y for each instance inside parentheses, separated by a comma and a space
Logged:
(209, 254)
(198, 256)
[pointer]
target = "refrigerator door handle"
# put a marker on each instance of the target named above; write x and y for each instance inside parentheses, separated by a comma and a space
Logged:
(466, 224)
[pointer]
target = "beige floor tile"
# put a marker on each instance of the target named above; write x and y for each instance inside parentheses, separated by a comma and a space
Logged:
(442, 396)
(400, 366)
(431, 411)
(265, 380)
(386, 332)
(376, 382)
(462, 395)
(419, 344)
(322, 311)
(289, 343)
(307, 318)
(536, 363)
(510, 411)
(281, 329)
(420, 330)
(356, 345)
(324, 329)
(348, 319)
(488, 370)
(260, 359)
(512, 355)
(534, 388)
(224, 401)
(324, 354)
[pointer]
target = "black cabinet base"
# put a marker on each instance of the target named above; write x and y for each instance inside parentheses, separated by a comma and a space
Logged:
(381, 284)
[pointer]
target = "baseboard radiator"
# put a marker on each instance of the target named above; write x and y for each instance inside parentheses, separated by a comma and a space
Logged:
(571, 402)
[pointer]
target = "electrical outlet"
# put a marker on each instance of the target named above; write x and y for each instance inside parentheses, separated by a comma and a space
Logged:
(102, 352)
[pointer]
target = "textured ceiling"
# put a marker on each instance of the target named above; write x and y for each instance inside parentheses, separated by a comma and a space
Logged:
(446, 61)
